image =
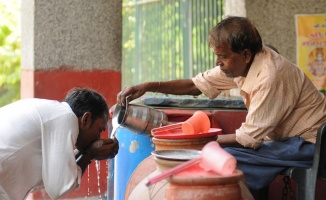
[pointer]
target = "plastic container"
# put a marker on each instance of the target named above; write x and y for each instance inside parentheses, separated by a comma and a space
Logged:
(133, 149)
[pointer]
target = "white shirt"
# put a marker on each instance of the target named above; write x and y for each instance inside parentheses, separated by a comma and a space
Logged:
(37, 139)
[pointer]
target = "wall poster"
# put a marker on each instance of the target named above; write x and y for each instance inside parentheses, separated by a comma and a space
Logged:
(311, 48)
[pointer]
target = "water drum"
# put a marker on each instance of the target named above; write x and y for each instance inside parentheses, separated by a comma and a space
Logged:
(197, 184)
(133, 149)
(132, 127)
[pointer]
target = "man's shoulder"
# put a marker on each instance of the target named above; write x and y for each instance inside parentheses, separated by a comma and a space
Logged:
(54, 110)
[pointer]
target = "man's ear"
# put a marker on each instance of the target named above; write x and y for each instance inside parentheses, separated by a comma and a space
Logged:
(86, 119)
(247, 55)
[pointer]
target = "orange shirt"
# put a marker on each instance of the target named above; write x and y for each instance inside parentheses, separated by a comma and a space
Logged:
(281, 100)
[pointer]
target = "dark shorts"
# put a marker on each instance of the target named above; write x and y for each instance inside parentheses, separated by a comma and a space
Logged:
(261, 166)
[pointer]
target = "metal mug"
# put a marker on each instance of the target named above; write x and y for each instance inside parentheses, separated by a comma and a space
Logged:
(138, 118)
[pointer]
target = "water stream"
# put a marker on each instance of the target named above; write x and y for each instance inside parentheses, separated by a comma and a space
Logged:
(98, 170)
(88, 181)
(115, 126)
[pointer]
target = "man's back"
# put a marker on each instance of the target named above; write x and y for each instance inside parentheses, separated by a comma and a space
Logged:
(21, 127)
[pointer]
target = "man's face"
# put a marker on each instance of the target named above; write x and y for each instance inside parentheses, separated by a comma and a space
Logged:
(232, 64)
(90, 130)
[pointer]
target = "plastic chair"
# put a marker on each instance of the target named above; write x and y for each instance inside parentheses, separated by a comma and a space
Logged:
(306, 178)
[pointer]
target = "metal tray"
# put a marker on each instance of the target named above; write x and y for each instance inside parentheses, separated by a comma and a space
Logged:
(177, 154)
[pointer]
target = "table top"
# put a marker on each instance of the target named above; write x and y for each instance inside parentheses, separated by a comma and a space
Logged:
(191, 102)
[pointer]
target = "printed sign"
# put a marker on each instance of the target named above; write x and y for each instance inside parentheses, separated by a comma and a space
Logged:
(311, 47)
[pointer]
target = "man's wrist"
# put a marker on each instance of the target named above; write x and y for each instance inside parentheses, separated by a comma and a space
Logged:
(83, 161)
(87, 155)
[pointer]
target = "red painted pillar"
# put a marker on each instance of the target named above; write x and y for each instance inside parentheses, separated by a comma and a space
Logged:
(54, 84)
(68, 44)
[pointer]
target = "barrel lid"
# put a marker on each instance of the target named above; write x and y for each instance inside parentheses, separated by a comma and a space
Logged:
(178, 134)
(176, 154)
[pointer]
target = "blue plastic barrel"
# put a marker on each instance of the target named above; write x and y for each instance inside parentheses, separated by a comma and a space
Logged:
(110, 192)
(133, 148)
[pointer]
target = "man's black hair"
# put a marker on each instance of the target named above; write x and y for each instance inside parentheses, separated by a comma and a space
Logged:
(83, 100)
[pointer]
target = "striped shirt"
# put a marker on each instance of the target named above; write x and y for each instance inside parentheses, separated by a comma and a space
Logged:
(281, 100)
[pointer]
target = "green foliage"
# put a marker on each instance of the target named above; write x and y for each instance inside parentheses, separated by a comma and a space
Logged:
(10, 51)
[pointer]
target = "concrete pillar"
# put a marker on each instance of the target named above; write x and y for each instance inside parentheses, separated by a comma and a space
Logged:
(72, 43)
(235, 8)
(69, 43)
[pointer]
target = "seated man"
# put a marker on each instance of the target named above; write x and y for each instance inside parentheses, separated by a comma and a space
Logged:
(285, 109)
(37, 141)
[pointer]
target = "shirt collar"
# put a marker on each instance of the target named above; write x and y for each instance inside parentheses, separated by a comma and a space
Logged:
(254, 71)
(66, 104)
